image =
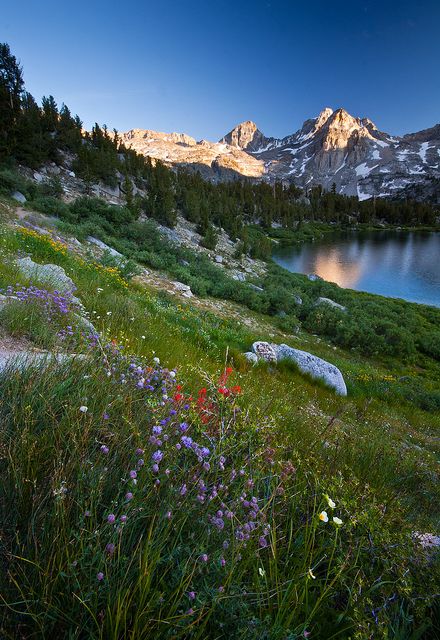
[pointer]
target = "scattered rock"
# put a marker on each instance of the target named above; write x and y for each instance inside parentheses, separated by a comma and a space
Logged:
(104, 246)
(255, 288)
(314, 367)
(184, 289)
(4, 300)
(19, 360)
(218, 259)
(19, 197)
(38, 177)
(50, 274)
(264, 351)
(298, 299)
(240, 276)
(184, 263)
(85, 324)
(251, 357)
(313, 277)
(331, 303)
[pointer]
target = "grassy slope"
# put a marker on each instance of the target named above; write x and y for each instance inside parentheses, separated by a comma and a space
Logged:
(376, 457)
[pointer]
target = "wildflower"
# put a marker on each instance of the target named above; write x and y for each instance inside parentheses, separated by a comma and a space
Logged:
(87, 514)
(192, 595)
(143, 337)
(221, 589)
(172, 374)
(100, 576)
(330, 502)
(204, 557)
(128, 496)
(139, 452)
(337, 521)
(110, 548)
(312, 575)
(261, 572)
(156, 360)
(323, 516)
(262, 542)
(157, 456)
(123, 518)
(111, 518)
(83, 409)
(133, 474)
(168, 515)
(187, 441)
(104, 449)
(155, 468)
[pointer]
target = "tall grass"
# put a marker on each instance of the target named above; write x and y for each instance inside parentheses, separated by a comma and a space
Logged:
(82, 558)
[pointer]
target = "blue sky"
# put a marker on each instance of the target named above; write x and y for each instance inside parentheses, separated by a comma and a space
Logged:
(202, 66)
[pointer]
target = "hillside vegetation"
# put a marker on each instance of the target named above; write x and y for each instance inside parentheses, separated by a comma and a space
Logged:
(156, 484)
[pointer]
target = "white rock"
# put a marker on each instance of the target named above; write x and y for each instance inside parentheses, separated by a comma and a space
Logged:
(331, 303)
(19, 197)
(218, 259)
(251, 357)
(314, 367)
(264, 351)
(184, 289)
(50, 274)
(104, 246)
(20, 360)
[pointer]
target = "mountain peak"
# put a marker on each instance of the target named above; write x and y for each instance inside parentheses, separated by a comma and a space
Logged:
(245, 135)
(323, 116)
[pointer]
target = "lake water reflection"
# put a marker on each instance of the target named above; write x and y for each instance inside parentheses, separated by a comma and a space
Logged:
(398, 264)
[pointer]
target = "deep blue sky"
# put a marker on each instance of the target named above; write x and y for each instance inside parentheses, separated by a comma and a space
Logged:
(202, 66)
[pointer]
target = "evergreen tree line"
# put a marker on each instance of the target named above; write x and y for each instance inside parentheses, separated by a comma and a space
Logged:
(33, 134)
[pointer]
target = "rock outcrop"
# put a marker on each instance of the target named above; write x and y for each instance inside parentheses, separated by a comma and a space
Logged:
(307, 363)
(50, 274)
(331, 303)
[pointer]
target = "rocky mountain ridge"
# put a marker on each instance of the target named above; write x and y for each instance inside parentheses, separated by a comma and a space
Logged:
(333, 148)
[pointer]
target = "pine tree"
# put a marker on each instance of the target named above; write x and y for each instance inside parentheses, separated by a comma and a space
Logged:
(210, 238)
(11, 91)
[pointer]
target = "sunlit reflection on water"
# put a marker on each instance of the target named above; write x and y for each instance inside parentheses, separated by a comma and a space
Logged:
(397, 264)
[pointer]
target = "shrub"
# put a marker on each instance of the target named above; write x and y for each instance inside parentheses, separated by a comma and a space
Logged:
(52, 206)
